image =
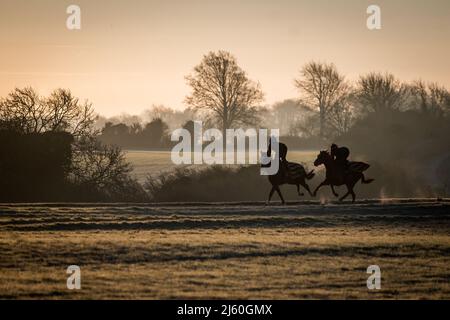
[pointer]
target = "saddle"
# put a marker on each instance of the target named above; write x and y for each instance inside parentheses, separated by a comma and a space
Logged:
(295, 171)
(357, 166)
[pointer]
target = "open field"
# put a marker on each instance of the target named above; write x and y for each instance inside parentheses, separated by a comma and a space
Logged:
(155, 162)
(226, 250)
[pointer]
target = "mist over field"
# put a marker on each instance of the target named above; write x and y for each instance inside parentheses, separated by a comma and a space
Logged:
(244, 182)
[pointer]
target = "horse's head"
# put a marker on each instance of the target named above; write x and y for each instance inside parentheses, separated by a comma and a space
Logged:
(322, 157)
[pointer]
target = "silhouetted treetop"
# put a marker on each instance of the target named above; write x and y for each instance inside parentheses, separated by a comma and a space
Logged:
(322, 87)
(378, 92)
(25, 111)
(432, 97)
(223, 92)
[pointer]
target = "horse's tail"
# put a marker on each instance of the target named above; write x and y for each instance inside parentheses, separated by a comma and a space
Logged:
(310, 175)
(366, 181)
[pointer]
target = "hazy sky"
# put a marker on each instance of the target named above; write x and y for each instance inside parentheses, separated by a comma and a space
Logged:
(131, 54)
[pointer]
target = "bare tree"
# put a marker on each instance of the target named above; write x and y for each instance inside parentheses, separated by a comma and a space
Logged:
(96, 169)
(321, 86)
(221, 89)
(307, 127)
(61, 111)
(381, 92)
(24, 110)
(285, 115)
(103, 168)
(66, 113)
(341, 116)
(432, 98)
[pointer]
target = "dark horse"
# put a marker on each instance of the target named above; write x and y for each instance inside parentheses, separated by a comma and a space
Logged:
(296, 175)
(336, 177)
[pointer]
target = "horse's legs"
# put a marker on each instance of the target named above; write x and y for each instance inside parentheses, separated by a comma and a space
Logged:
(298, 191)
(303, 183)
(350, 185)
(345, 195)
(270, 194)
(353, 195)
(324, 183)
(349, 191)
(277, 189)
(334, 192)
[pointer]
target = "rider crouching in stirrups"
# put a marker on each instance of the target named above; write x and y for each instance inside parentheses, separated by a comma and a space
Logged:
(340, 157)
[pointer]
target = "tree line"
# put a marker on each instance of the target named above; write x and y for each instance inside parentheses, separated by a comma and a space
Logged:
(53, 148)
(327, 107)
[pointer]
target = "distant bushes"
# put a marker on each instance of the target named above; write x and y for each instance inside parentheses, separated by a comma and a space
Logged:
(396, 135)
(213, 183)
(153, 135)
(244, 183)
(411, 146)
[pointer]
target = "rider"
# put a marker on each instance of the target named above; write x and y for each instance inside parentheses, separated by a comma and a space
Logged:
(282, 151)
(340, 155)
(284, 163)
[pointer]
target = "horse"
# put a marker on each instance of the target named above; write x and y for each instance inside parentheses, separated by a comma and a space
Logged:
(335, 176)
(296, 176)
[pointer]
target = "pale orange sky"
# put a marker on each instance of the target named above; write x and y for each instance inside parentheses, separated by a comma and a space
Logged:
(131, 54)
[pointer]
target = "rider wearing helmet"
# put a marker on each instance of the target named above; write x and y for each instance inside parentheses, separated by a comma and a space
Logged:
(340, 155)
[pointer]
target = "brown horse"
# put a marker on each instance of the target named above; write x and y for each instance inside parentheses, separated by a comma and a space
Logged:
(296, 176)
(336, 177)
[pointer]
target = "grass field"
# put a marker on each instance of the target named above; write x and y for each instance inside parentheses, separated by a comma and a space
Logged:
(156, 162)
(232, 250)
